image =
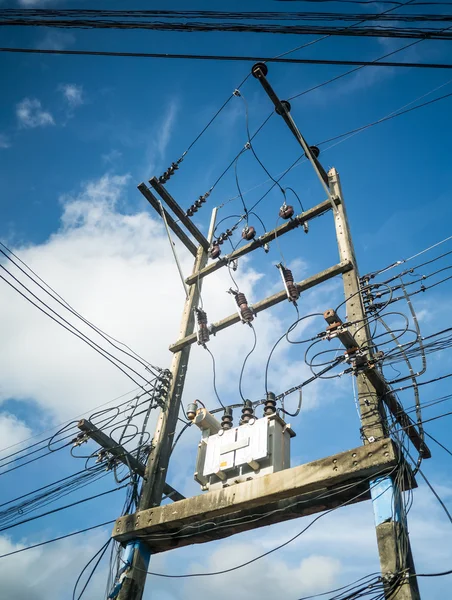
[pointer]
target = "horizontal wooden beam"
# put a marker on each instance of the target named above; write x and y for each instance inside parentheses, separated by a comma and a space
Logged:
(120, 453)
(180, 214)
(169, 219)
(269, 236)
(306, 489)
(302, 286)
(376, 378)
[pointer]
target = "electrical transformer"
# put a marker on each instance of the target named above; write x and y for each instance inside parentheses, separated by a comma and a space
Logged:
(229, 455)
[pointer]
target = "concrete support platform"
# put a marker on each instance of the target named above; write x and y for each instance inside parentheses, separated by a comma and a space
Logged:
(307, 489)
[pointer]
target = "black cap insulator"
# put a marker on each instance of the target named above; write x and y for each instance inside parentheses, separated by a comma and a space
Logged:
(315, 151)
(270, 404)
(226, 419)
(284, 107)
(247, 412)
(259, 69)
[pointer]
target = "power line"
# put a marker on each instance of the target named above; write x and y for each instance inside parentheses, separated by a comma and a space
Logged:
(57, 539)
(159, 55)
(298, 29)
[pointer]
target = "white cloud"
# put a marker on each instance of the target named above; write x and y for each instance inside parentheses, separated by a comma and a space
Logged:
(12, 430)
(51, 570)
(155, 154)
(117, 269)
(111, 157)
(4, 141)
(30, 114)
(72, 93)
(56, 40)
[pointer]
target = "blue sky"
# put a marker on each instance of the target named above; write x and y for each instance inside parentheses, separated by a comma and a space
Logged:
(77, 134)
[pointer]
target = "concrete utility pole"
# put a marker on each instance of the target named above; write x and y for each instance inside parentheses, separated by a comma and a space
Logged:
(137, 555)
(386, 495)
(358, 474)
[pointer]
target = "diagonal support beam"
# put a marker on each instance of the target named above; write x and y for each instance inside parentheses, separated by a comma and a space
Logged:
(180, 214)
(169, 219)
(121, 454)
(378, 381)
(302, 286)
(269, 236)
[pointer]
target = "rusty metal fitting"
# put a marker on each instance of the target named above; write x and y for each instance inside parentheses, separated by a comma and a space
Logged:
(226, 419)
(214, 251)
(270, 404)
(248, 233)
(247, 412)
(286, 211)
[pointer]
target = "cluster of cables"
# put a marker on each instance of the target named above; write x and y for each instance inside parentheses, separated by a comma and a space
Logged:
(243, 22)
(29, 285)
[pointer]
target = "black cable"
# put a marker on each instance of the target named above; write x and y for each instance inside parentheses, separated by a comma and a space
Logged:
(245, 361)
(74, 333)
(282, 545)
(214, 377)
(383, 119)
(55, 510)
(278, 28)
(215, 57)
(100, 552)
(57, 539)
(55, 296)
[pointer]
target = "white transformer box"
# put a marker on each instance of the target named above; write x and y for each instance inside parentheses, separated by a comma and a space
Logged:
(230, 456)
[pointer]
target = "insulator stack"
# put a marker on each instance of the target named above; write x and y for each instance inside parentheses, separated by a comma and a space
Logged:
(286, 211)
(214, 250)
(169, 172)
(270, 404)
(248, 233)
(226, 419)
(305, 226)
(247, 412)
(292, 290)
(245, 311)
(203, 330)
(197, 204)
(224, 236)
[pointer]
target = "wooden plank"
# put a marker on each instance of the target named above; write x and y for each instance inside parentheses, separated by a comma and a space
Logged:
(180, 214)
(269, 236)
(302, 286)
(305, 489)
(169, 219)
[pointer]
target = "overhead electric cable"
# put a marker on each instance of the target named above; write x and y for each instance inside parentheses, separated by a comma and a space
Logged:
(219, 57)
(57, 539)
